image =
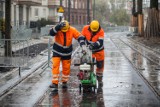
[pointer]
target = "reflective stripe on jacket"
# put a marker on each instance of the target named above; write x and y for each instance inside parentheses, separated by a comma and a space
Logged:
(63, 41)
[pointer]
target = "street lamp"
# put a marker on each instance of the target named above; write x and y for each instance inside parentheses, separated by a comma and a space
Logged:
(69, 9)
(88, 13)
(60, 17)
(94, 9)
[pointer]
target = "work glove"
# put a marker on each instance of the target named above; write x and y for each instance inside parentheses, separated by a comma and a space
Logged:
(59, 26)
(84, 49)
(93, 45)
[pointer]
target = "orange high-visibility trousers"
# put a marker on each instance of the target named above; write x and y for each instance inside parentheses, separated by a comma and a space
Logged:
(100, 61)
(65, 69)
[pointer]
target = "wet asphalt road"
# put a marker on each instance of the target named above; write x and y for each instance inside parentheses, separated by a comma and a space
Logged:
(123, 87)
(145, 61)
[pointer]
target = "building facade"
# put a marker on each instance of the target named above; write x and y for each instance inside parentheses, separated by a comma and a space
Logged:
(26, 12)
(21, 12)
(78, 11)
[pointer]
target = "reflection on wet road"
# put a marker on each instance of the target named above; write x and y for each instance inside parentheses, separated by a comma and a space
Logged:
(145, 61)
(123, 87)
(123, 83)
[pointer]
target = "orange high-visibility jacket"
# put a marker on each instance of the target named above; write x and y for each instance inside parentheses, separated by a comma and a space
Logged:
(62, 46)
(97, 37)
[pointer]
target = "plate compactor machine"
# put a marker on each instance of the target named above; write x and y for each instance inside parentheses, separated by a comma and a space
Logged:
(86, 74)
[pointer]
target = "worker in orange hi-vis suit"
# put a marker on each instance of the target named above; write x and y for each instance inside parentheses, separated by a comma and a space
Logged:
(94, 36)
(62, 50)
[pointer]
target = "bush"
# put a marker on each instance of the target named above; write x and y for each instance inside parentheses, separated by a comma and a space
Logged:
(43, 22)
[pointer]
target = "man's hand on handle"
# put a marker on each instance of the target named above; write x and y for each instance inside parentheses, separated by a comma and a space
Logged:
(59, 26)
(84, 49)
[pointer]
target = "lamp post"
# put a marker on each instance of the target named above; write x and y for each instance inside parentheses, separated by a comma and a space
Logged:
(69, 9)
(94, 6)
(60, 17)
(88, 13)
(8, 47)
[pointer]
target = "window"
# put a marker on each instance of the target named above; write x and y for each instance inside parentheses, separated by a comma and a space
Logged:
(80, 20)
(73, 19)
(44, 12)
(36, 11)
(76, 4)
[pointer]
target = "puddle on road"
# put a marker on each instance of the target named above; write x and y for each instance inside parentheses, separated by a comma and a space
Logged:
(72, 98)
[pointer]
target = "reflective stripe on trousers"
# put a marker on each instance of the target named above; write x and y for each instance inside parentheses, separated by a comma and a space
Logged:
(65, 69)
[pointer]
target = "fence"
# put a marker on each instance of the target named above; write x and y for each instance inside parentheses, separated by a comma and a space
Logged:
(45, 30)
(21, 33)
(50, 49)
(14, 53)
(116, 29)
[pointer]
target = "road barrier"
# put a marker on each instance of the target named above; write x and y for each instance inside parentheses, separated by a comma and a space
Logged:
(14, 53)
(45, 30)
(21, 33)
(50, 49)
(116, 29)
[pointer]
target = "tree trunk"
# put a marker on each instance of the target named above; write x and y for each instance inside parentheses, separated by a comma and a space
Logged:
(154, 4)
(134, 19)
(8, 48)
(159, 24)
(140, 18)
(153, 21)
(140, 25)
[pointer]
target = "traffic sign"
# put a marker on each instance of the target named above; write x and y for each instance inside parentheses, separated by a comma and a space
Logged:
(60, 9)
(60, 14)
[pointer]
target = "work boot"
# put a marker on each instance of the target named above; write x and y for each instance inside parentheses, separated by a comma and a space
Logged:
(64, 85)
(99, 90)
(54, 86)
(100, 82)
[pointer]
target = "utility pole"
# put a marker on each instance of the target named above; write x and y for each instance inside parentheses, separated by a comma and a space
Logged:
(140, 17)
(69, 8)
(94, 7)
(8, 48)
(60, 17)
(88, 14)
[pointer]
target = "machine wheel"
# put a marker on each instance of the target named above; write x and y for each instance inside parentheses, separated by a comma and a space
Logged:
(95, 87)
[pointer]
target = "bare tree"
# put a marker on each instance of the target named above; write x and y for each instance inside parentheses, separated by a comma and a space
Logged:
(101, 11)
